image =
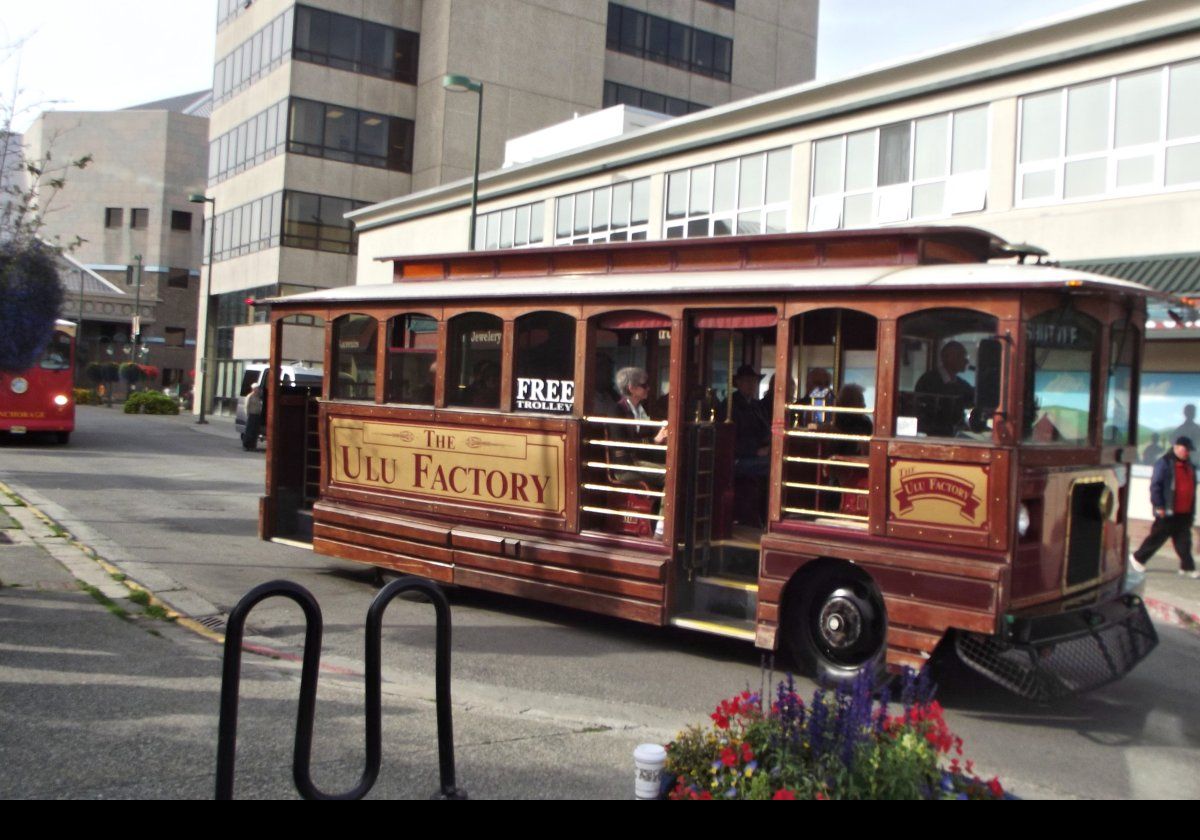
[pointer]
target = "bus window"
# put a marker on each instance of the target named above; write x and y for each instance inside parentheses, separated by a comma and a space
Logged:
(354, 357)
(57, 355)
(830, 416)
(473, 359)
(938, 348)
(1061, 346)
(626, 437)
(544, 365)
(1120, 384)
(411, 360)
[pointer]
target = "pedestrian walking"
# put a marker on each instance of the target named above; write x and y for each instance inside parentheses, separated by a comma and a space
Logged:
(255, 408)
(1173, 497)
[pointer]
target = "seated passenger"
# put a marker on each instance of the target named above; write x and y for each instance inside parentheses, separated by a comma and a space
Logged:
(633, 384)
(752, 425)
(847, 423)
(943, 397)
(818, 390)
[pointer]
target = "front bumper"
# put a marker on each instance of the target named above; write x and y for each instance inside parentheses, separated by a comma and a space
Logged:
(1050, 656)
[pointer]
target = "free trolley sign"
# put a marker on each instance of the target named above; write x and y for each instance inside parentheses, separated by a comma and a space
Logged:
(503, 469)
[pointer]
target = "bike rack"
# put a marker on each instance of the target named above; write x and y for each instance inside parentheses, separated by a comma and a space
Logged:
(302, 752)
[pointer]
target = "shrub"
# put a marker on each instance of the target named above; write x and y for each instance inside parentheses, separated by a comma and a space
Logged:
(150, 402)
(842, 745)
(86, 396)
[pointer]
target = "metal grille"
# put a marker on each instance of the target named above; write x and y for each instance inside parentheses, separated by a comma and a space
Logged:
(1049, 670)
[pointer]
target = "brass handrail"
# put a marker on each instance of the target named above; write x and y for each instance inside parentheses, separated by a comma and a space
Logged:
(651, 516)
(601, 465)
(608, 488)
(625, 421)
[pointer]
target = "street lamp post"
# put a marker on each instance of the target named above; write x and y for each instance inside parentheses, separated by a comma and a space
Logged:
(206, 289)
(465, 84)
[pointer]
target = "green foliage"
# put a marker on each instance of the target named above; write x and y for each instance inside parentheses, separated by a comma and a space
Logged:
(150, 402)
(30, 299)
(86, 396)
(131, 372)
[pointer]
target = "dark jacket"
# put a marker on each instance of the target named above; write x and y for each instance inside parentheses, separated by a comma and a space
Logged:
(1162, 484)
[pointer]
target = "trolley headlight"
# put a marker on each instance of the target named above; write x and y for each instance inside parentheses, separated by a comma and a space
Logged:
(60, 400)
(1022, 520)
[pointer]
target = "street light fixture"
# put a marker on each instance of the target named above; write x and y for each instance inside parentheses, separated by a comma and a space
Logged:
(465, 84)
(201, 198)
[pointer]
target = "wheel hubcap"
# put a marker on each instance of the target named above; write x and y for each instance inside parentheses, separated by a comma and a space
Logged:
(841, 623)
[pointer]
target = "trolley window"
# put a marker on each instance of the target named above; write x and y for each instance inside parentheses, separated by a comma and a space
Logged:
(938, 352)
(354, 357)
(544, 363)
(1060, 377)
(411, 360)
(473, 346)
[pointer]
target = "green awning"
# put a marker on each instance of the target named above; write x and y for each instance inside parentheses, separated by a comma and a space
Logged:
(1174, 274)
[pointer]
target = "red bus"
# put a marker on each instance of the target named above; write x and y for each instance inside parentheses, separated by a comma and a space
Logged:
(41, 399)
(859, 446)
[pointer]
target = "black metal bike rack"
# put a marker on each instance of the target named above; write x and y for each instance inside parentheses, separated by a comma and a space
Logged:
(302, 752)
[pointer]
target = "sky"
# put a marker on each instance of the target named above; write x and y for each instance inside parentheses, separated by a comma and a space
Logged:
(107, 54)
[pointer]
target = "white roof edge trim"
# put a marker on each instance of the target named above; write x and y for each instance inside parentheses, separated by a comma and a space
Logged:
(657, 284)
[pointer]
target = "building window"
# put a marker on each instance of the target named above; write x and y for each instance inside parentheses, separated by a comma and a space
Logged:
(619, 213)
(181, 220)
(920, 169)
(248, 228)
(258, 55)
(516, 227)
(1124, 135)
(356, 45)
(315, 222)
(618, 94)
(114, 217)
(743, 195)
(668, 42)
(139, 218)
(347, 134)
(177, 278)
(174, 336)
(255, 141)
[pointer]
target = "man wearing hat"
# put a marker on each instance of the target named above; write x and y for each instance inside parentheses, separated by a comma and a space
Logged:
(752, 423)
(1173, 497)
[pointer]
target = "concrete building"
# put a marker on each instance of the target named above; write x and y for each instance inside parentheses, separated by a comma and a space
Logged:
(330, 105)
(1079, 134)
(130, 202)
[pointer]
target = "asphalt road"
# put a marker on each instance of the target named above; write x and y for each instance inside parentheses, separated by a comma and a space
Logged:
(160, 494)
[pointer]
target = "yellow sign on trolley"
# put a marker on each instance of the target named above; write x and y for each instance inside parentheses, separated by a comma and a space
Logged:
(953, 495)
(505, 469)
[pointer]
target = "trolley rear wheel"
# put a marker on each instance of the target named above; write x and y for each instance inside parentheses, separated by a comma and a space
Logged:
(836, 627)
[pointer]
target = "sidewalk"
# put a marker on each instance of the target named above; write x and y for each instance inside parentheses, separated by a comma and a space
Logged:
(100, 697)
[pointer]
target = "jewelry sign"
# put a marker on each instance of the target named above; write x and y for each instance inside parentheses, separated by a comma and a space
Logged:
(520, 470)
(953, 495)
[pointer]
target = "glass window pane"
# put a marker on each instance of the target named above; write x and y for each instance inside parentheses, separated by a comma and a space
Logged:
(930, 159)
(894, 150)
(307, 123)
(1183, 108)
(1139, 99)
(928, 199)
(1060, 386)
(697, 227)
(677, 183)
(779, 175)
(1183, 164)
(1087, 118)
(339, 133)
(473, 374)
(1084, 177)
(507, 221)
(970, 141)
(1138, 171)
(492, 240)
(537, 222)
(641, 202)
(521, 226)
(343, 41)
(860, 160)
(724, 187)
(750, 185)
(1037, 184)
(565, 211)
(701, 193)
(372, 138)
(748, 223)
(827, 166)
(776, 222)
(858, 210)
(722, 227)
(621, 195)
(600, 199)
(354, 357)
(1041, 118)
(583, 212)
(411, 361)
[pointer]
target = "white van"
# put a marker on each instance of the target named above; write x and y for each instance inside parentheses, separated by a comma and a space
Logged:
(295, 375)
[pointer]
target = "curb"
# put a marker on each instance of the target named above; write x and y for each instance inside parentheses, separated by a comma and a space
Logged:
(1173, 615)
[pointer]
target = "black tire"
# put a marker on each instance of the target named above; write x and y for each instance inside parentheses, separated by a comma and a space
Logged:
(62, 437)
(836, 628)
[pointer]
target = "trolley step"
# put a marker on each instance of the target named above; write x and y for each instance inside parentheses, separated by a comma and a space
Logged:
(725, 596)
(716, 625)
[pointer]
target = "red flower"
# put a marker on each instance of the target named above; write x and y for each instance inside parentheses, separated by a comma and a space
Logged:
(995, 787)
(747, 753)
(783, 793)
(728, 757)
(821, 795)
